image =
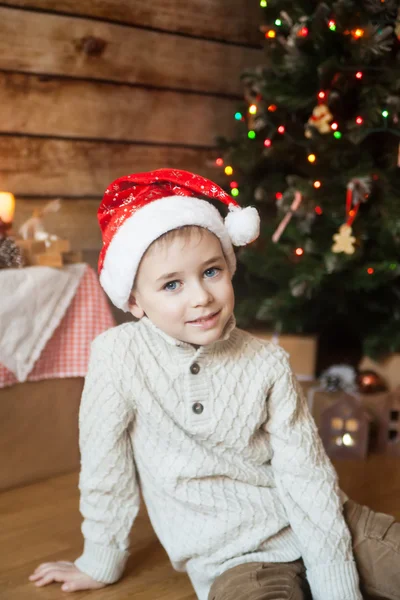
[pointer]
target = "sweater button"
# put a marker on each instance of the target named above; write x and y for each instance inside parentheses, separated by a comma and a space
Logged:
(194, 368)
(197, 408)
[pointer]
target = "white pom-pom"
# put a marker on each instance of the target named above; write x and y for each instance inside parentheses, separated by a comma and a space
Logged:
(243, 225)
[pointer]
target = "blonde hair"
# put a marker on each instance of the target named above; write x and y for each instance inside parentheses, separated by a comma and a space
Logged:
(185, 233)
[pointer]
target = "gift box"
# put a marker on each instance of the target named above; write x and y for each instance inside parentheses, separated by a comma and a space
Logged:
(301, 349)
(39, 430)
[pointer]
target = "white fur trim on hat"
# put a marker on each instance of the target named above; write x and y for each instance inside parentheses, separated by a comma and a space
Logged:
(139, 231)
(243, 224)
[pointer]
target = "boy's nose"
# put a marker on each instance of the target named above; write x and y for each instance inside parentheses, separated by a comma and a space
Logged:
(201, 296)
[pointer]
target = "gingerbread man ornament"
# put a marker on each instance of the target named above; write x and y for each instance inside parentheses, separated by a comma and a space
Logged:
(344, 240)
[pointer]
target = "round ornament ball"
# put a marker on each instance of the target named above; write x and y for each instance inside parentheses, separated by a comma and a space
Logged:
(370, 382)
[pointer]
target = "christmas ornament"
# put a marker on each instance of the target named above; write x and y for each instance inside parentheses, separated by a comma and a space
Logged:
(344, 241)
(320, 120)
(283, 224)
(10, 254)
(299, 30)
(338, 377)
(358, 190)
(370, 382)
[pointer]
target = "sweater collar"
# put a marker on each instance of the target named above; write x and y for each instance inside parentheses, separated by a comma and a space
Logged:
(226, 334)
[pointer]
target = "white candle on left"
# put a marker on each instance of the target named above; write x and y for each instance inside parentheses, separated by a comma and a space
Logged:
(7, 207)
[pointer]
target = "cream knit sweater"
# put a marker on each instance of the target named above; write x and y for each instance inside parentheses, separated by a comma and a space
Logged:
(228, 459)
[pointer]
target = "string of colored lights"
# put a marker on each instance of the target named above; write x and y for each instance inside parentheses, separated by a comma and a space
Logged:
(358, 32)
(303, 31)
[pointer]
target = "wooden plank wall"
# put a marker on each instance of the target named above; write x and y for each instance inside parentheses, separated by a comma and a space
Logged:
(95, 89)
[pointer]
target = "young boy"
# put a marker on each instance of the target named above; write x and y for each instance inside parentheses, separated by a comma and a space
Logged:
(208, 420)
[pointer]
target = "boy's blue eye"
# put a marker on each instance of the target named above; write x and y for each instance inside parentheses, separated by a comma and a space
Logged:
(171, 286)
(211, 272)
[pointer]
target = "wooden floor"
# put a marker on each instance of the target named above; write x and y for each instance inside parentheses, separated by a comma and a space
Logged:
(41, 522)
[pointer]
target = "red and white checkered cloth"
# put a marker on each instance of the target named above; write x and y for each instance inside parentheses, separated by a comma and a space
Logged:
(67, 352)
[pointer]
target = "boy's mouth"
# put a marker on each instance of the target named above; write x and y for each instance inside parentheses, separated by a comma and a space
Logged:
(206, 319)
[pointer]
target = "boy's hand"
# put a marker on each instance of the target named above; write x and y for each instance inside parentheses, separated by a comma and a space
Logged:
(62, 571)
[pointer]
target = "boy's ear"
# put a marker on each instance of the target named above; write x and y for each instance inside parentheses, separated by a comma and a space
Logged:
(134, 307)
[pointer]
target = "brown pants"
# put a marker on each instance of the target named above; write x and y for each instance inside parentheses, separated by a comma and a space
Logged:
(376, 547)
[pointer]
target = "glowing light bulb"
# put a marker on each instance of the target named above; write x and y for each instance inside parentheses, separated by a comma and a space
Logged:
(359, 120)
(272, 107)
(317, 184)
(281, 129)
(238, 116)
(311, 158)
(270, 34)
(348, 440)
(318, 210)
(334, 126)
(321, 95)
(278, 195)
(332, 25)
(299, 251)
(228, 170)
(278, 22)
(358, 33)
(385, 114)
(263, 3)
(303, 32)
(252, 109)
(359, 75)
(219, 162)
(370, 271)
(267, 143)
(251, 134)
(337, 135)
(233, 184)
(235, 192)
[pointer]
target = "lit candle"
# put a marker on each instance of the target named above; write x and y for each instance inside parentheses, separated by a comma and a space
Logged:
(7, 207)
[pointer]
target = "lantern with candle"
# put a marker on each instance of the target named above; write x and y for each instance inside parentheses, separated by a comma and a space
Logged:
(7, 207)
(345, 428)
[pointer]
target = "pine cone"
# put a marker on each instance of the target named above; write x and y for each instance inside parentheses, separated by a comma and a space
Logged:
(10, 254)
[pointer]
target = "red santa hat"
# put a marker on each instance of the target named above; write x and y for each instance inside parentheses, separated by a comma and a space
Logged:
(138, 209)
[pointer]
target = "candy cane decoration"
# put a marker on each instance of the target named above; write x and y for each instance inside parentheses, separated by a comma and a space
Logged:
(358, 190)
(283, 224)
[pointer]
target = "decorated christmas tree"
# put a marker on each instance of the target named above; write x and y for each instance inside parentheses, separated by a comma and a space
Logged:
(317, 152)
